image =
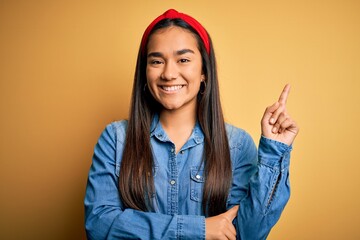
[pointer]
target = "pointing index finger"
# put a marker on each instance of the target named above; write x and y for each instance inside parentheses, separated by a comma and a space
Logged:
(284, 95)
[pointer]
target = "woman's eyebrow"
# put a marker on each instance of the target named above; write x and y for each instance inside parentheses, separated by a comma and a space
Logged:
(155, 54)
(178, 52)
(183, 51)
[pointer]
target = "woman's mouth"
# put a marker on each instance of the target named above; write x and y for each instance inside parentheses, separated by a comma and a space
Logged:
(172, 88)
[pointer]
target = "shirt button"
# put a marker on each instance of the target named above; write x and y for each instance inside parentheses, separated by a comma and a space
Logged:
(198, 176)
(172, 182)
(182, 152)
(172, 150)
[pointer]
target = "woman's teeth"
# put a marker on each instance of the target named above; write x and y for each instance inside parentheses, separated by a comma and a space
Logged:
(171, 88)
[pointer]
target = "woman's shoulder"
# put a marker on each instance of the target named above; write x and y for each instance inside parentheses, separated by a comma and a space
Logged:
(118, 129)
(237, 136)
(119, 125)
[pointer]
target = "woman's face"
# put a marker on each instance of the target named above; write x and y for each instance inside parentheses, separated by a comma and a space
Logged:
(174, 68)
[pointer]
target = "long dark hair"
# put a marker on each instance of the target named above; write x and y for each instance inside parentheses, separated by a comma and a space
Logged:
(136, 183)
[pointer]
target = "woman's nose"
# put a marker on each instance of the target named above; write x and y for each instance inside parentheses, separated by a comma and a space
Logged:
(170, 71)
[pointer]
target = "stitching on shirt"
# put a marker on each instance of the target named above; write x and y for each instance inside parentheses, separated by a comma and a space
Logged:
(274, 187)
(180, 227)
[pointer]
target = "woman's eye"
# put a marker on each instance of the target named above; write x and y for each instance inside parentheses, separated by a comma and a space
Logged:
(184, 60)
(155, 62)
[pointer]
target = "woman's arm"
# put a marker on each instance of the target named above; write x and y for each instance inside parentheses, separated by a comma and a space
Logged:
(105, 216)
(269, 188)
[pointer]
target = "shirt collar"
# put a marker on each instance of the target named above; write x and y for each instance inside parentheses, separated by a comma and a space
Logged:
(156, 129)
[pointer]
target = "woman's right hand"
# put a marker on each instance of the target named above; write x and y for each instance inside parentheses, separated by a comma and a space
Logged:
(220, 226)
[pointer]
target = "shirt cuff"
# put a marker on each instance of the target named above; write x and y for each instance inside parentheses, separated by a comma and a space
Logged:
(191, 227)
(274, 153)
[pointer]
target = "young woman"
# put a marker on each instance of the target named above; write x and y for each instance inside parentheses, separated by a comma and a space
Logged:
(175, 170)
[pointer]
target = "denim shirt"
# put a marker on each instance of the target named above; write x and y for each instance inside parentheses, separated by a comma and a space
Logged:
(260, 185)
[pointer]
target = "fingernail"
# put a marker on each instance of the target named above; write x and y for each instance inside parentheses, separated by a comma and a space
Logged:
(272, 120)
(274, 130)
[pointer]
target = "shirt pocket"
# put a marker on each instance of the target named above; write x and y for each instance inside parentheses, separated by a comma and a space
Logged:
(197, 180)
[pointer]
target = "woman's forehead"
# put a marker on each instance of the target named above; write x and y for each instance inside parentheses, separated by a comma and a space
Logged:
(172, 37)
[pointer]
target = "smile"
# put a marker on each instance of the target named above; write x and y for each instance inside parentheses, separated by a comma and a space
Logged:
(172, 88)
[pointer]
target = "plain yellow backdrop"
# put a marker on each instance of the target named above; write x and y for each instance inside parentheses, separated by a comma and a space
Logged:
(66, 70)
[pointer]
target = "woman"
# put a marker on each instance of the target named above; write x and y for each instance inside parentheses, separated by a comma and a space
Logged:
(175, 170)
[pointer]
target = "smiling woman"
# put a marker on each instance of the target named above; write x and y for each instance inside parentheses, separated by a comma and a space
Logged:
(175, 169)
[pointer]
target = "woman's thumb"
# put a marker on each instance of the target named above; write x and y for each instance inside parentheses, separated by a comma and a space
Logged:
(232, 213)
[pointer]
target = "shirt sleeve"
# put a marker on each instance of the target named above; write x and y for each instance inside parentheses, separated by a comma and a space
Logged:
(268, 189)
(105, 216)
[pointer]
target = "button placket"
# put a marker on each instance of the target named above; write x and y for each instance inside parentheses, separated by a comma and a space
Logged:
(173, 187)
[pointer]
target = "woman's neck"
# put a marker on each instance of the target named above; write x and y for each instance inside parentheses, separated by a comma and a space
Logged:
(178, 125)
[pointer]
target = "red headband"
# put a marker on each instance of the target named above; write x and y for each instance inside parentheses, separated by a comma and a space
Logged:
(171, 14)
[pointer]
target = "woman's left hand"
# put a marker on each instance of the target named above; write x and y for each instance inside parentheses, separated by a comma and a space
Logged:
(276, 123)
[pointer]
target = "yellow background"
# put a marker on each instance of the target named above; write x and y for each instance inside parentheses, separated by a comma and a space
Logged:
(66, 70)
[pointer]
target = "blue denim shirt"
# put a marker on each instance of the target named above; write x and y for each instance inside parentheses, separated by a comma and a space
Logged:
(260, 185)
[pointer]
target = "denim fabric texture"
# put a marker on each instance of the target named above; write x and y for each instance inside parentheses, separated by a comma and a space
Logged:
(260, 185)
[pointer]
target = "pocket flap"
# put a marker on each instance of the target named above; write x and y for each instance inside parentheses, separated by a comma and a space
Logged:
(197, 175)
